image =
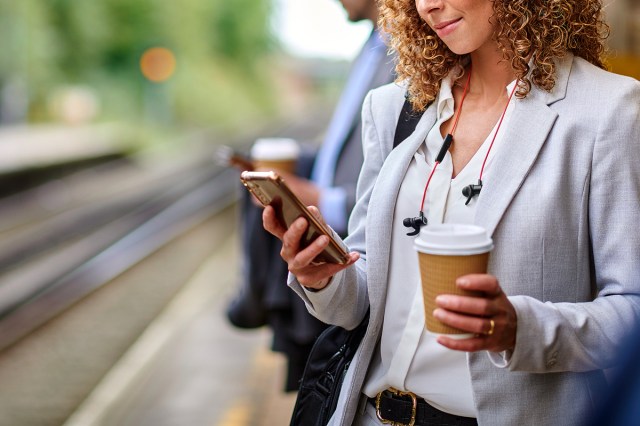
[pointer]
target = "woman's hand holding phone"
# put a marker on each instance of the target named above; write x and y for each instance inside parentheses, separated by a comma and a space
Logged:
(301, 263)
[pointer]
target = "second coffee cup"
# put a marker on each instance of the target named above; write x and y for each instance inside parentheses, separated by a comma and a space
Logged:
(446, 252)
(278, 154)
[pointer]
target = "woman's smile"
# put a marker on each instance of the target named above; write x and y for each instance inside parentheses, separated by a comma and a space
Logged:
(446, 27)
(463, 25)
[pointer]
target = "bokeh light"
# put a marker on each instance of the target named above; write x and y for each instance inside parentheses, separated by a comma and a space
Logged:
(158, 64)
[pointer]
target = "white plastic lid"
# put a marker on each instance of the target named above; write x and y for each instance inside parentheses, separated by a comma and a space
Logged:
(453, 240)
(275, 149)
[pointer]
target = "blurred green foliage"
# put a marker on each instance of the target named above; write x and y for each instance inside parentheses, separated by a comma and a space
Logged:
(222, 49)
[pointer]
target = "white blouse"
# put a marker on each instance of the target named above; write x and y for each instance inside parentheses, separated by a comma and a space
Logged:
(409, 358)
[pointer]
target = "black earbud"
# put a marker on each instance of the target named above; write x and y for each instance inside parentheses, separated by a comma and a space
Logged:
(416, 223)
(471, 191)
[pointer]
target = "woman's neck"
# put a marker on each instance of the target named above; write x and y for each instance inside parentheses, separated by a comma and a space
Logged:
(491, 74)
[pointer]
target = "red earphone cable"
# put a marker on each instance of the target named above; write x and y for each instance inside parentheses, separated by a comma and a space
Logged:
(498, 128)
(453, 130)
(464, 95)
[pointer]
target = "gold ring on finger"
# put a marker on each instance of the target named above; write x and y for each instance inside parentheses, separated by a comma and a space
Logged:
(493, 326)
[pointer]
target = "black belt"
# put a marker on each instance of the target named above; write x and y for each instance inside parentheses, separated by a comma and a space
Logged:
(406, 409)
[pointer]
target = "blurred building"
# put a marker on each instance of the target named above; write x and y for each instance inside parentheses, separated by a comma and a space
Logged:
(624, 43)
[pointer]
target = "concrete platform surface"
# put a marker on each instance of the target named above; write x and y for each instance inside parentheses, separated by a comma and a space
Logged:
(190, 367)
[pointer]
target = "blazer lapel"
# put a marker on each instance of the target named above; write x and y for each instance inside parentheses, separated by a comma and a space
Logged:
(528, 129)
(530, 124)
(382, 206)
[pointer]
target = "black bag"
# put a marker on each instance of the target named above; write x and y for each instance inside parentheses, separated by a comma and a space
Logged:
(334, 349)
(323, 375)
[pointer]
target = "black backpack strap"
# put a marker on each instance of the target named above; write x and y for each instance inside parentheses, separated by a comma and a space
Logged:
(407, 122)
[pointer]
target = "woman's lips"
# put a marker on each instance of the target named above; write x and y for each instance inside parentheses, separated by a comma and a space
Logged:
(446, 27)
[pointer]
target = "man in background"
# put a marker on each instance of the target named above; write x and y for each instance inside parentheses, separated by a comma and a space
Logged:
(331, 185)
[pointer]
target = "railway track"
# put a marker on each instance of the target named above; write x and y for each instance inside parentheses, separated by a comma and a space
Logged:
(55, 262)
(65, 238)
(89, 260)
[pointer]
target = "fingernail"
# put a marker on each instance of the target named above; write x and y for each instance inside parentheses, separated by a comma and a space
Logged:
(437, 314)
(462, 282)
(443, 299)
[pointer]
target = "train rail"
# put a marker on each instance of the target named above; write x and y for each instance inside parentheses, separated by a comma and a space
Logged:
(68, 237)
(54, 262)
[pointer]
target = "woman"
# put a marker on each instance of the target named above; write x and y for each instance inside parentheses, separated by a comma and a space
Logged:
(551, 143)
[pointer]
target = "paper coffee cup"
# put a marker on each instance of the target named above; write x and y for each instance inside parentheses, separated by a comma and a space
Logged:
(446, 252)
(278, 154)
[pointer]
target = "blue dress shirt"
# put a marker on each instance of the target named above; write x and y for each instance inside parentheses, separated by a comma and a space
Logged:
(333, 200)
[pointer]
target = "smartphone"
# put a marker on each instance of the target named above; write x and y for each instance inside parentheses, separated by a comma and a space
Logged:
(271, 190)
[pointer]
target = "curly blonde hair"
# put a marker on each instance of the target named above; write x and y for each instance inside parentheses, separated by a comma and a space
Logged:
(538, 29)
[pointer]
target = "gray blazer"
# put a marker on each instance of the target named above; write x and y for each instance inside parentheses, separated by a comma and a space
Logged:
(562, 204)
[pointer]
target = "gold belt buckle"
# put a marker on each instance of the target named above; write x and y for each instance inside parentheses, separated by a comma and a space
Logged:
(414, 407)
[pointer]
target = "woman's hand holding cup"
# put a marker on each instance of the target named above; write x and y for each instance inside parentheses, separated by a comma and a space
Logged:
(490, 315)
